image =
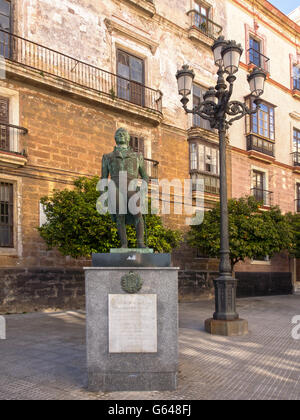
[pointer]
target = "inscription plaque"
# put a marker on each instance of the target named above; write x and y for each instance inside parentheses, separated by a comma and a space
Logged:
(132, 323)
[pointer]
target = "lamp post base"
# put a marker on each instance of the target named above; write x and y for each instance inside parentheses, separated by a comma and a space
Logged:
(237, 327)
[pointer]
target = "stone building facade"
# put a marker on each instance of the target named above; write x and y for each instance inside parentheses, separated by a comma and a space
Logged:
(74, 71)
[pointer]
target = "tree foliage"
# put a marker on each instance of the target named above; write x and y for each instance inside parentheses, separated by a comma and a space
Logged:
(75, 227)
(294, 219)
(253, 232)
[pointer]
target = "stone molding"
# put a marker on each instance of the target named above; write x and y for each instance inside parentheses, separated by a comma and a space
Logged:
(12, 159)
(196, 35)
(145, 5)
(260, 156)
(198, 133)
(113, 26)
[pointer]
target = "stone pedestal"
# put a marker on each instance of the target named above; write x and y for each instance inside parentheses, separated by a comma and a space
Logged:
(132, 328)
(237, 327)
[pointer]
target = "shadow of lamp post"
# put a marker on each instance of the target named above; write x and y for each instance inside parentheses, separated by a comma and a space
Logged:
(221, 112)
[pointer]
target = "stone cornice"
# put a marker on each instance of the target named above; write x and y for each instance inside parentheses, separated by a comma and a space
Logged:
(197, 133)
(295, 115)
(196, 35)
(113, 26)
(12, 159)
(145, 6)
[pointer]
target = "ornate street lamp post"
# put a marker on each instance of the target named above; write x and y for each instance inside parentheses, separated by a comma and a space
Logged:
(221, 112)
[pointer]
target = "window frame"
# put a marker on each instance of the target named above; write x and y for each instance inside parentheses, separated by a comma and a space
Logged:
(204, 124)
(132, 82)
(259, 52)
(205, 146)
(297, 79)
(8, 53)
(10, 213)
(140, 144)
(296, 140)
(250, 120)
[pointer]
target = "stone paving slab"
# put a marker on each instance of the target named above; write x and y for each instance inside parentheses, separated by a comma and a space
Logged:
(44, 358)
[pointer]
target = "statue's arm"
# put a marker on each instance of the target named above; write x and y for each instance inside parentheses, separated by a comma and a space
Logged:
(105, 168)
(142, 169)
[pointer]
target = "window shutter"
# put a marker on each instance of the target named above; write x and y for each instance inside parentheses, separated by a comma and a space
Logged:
(137, 144)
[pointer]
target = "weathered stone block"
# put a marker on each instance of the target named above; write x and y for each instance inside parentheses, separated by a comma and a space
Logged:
(151, 371)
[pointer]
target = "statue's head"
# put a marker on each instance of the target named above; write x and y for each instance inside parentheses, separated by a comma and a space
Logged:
(122, 137)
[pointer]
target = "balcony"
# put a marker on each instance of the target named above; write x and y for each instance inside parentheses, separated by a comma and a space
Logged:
(203, 29)
(11, 152)
(50, 67)
(151, 168)
(260, 144)
(257, 59)
(263, 196)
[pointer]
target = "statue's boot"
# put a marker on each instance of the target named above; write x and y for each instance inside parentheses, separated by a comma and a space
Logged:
(122, 233)
(140, 233)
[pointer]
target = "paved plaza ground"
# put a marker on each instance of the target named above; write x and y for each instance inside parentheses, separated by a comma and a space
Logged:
(44, 356)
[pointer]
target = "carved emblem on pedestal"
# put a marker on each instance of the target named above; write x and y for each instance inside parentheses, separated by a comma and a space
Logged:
(131, 282)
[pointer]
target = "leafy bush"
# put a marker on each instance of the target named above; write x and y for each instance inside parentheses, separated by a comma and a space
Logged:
(75, 227)
(253, 233)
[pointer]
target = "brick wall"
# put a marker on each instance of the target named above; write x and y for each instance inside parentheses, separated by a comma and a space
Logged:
(36, 289)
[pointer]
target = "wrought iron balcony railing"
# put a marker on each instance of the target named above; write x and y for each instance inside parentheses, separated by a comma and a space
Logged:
(51, 62)
(296, 83)
(297, 205)
(10, 138)
(259, 60)
(205, 25)
(263, 196)
(151, 168)
(261, 145)
(211, 183)
(296, 158)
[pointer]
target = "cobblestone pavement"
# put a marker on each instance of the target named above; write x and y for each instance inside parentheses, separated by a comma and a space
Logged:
(44, 356)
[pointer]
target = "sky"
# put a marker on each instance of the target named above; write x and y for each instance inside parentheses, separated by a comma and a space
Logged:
(286, 6)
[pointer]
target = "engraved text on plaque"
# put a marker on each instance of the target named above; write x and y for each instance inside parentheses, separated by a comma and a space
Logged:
(132, 323)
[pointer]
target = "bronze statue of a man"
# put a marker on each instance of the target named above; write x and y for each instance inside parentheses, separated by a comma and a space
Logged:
(124, 159)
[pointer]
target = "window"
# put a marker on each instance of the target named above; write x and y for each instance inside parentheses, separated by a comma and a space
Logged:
(137, 144)
(204, 165)
(296, 146)
(204, 158)
(296, 140)
(130, 86)
(6, 215)
(255, 51)
(296, 77)
(193, 157)
(298, 198)
(4, 120)
(202, 16)
(259, 188)
(198, 93)
(208, 159)
(5, 24)
(263, 122)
